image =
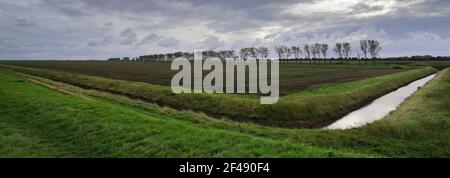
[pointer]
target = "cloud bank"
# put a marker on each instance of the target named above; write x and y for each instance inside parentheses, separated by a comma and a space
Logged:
(86, 29)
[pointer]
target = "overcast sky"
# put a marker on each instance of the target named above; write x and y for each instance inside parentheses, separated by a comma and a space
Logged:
(96, 29)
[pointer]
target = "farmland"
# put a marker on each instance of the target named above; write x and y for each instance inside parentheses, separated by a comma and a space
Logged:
(310, 108)
(292, 77)
(45, 118)
(224, 79)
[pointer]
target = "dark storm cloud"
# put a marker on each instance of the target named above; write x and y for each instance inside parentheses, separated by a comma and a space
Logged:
(104, 28)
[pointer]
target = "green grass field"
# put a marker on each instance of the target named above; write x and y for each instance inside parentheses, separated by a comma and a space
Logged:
(38, 122)
(61, 120)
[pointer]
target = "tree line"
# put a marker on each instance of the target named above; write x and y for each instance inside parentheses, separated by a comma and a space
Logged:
(320, 50)
(311, 52)
(171, 56)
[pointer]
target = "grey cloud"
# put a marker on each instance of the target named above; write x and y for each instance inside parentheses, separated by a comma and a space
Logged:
(129, 37)
(109, 24)
(118, 27)
(127, 32)
(363, 7)
(150, 39)
(105, 41)
(9, 43)
(69, 7)
(168, 42)
(210, 43)
(26, 22)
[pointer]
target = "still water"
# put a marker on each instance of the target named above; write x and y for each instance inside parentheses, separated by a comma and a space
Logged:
(379, 107)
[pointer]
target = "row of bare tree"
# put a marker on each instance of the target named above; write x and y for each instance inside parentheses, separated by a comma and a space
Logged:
(170, 56)
(308, 52)
(320, 50)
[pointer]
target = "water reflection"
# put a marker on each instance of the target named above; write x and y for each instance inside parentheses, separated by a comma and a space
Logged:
(379, 107)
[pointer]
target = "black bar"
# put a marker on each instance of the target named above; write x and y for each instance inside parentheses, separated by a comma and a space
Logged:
(171, 167)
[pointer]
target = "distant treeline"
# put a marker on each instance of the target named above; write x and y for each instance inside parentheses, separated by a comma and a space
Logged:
(171, 56)
(368, 50)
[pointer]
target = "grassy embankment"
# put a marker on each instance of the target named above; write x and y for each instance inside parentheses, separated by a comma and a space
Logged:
(310, 108)
(91, 123)
(420, 127)
(38, 122)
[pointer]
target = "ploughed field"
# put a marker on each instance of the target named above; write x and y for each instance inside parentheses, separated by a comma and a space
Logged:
(293, 77)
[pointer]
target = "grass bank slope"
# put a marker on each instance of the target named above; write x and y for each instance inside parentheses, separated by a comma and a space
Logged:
(420, 127)
(40, 122)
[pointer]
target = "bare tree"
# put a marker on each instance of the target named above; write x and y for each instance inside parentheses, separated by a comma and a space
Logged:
(324, 50)
(364, 46)
(223, 55)
(316, 50)
(296, 51)
(253, 52)
(287, 52)
(189, 56)
(245, 53)
(307, 51)
(347, 49)
(374, 48)
(313, 51)
(263, 52)
(338, 49)
(280, 51)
